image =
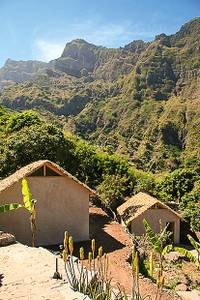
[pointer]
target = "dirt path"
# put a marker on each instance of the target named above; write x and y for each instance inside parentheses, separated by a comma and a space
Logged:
(116, 243)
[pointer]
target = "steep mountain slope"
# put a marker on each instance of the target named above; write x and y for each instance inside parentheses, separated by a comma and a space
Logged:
(18, 71)
(142, 100)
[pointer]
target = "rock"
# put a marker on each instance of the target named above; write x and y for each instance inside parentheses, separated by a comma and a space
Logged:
(173, 256)
(6, 239)
(181, 287)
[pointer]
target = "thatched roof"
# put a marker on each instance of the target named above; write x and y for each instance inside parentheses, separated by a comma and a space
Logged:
(138, 204)
(29, 169)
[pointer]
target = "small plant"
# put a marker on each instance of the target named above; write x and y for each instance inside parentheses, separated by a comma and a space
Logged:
(188, 254)
(151, 265)
(157, 243)
(29, 205)
(95, 281)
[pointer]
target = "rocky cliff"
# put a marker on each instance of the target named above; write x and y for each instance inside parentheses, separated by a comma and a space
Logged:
(141, 100)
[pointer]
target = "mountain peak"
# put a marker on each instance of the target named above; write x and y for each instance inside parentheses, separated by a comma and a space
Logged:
(190, 28)
(77, 47)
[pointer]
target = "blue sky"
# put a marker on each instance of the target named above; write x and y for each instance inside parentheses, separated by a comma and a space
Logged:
(39, 29)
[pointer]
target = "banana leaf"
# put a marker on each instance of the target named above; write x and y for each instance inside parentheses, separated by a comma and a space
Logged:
(194, 243)
(26, 195)
(9, 207)
(154, 239)
(187, 254)
(167, 249)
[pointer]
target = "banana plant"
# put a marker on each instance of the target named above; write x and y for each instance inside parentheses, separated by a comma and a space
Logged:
(157, 242)
(29, 205)
(188, 254)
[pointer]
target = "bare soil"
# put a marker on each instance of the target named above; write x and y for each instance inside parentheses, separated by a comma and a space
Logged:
(117, 244)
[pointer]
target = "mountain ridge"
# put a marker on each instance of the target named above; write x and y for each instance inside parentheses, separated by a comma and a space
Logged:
(140, 100)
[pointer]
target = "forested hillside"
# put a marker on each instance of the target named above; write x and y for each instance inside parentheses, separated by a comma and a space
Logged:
(141, 100)
(25, 137)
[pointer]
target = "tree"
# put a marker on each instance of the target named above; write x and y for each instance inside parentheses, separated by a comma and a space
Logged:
(175, 185)
(33, 143)
(190, 209)
(21, 120)
(145, 184)
(29, 205)
(111, 191)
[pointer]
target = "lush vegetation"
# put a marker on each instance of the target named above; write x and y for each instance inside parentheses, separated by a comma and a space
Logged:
(156, 262)
(26, 137)
(141, 100)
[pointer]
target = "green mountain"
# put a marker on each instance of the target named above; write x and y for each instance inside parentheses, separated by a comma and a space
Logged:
(141, 100)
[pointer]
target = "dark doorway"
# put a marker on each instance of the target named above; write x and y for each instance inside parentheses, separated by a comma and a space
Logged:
(171, 229)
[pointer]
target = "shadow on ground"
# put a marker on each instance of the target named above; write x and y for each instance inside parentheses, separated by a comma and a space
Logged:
(98, 224)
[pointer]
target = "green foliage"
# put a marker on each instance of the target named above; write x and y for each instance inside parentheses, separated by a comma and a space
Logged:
(112, 190)
(158, 242)
(190, 209)
(176, 184)
(29, 205)
(9, 207)
(20, 120)
(32, 143)
(145, 184)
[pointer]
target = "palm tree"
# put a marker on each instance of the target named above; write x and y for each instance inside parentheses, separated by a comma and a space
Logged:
(29, 205)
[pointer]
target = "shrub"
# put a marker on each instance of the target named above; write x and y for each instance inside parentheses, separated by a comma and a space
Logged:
(111, 190)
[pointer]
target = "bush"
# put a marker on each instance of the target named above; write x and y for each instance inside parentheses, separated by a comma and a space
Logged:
(111, 190)
(20, 120)
(176, 184)
(191, 210)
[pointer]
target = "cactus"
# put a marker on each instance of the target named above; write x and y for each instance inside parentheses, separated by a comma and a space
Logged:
(71, 245)
(100, 251)
(65, 240)
(99, 286)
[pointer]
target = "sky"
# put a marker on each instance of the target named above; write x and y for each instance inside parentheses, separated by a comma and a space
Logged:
(39, 29)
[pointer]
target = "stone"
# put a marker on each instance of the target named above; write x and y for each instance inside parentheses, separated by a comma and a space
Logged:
(173, 256)
(181, 287)
(6, 239)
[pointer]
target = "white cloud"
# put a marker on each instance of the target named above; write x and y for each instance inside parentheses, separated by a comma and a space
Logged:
(109, 35)
(47, 50)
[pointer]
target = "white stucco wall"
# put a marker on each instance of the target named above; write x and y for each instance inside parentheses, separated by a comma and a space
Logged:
(62, 204)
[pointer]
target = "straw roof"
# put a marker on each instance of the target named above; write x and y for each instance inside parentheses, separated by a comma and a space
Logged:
(29, 169)
(138, 204)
